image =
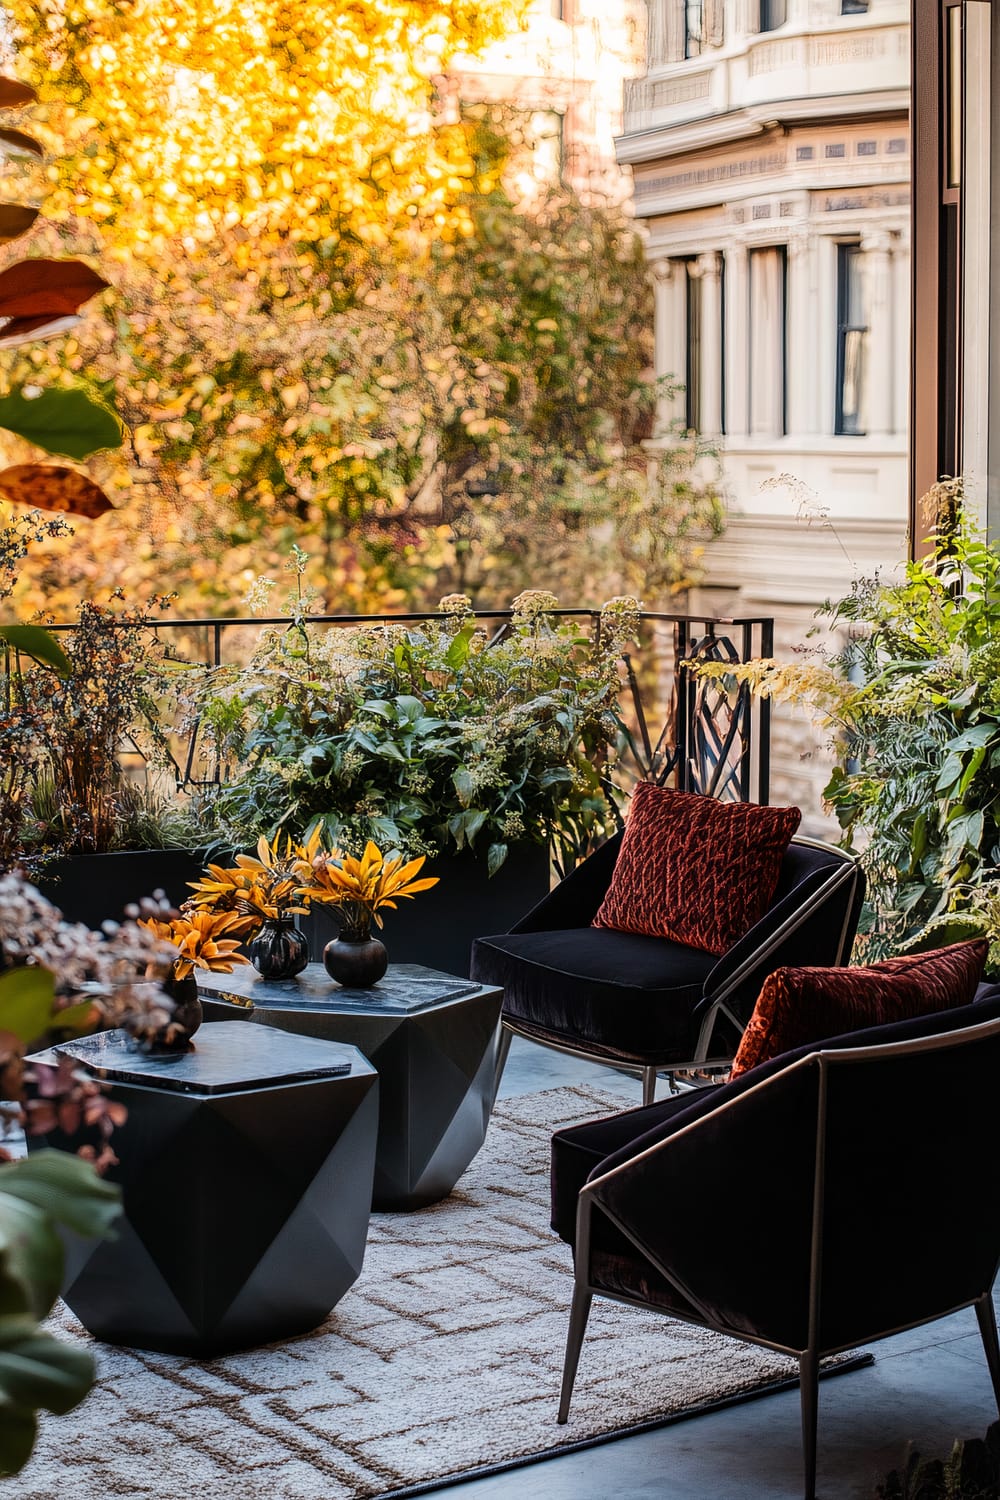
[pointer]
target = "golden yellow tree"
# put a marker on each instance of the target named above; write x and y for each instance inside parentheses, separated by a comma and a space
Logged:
(191, 119)
(251, 174)
(330, 323)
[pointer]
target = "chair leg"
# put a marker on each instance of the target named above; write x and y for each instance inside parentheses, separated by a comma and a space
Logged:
(503, 1049)
(809, 1396)
(648, 1085)
(579, 1314)
(987, 1317)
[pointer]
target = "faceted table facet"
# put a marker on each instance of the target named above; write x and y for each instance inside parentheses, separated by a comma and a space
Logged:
(245, 1207)
(433, 1039)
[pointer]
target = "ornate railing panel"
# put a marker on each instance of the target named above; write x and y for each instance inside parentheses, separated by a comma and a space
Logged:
(681, 730)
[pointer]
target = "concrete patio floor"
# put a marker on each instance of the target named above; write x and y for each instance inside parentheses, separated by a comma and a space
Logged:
(927, 1387)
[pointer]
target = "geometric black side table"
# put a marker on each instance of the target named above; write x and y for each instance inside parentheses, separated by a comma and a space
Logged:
(433, 1039)
(246, 1173)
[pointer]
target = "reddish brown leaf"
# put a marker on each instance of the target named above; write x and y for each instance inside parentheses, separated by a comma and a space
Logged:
(45, 288)
(53, 487)
(13, 93)
(21, 144)
(15, 219)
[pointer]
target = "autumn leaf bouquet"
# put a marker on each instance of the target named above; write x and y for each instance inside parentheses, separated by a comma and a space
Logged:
(360, 889)
(256, 901)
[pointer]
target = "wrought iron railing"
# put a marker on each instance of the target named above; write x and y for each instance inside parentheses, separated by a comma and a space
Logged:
(680, 729)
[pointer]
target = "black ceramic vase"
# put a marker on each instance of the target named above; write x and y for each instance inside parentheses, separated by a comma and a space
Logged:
(356, 962)
(175, 1034)
(188, 1013)
(280, 950)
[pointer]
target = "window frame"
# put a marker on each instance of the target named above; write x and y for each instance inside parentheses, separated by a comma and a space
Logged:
(846, 251)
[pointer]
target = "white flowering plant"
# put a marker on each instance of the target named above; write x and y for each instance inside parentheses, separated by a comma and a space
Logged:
(444, 735)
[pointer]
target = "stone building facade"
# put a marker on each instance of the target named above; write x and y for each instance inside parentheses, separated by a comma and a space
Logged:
(565, 70)
(769, 145)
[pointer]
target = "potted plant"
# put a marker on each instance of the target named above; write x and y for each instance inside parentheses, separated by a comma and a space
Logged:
(360, 890)
(208, 940)
(476, 750)
(74, 818)
(913, 705)
(261, 896)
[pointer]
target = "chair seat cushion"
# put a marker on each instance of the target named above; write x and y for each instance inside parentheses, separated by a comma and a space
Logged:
(612, 993)
(800, 1005)
(695, 870)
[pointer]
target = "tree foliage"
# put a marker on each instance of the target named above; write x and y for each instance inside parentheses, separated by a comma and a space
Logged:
(332, 324)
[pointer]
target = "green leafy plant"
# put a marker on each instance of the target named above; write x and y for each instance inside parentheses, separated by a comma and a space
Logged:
(62, 734)
(420, 739)
(913, 701)
(971, 1472)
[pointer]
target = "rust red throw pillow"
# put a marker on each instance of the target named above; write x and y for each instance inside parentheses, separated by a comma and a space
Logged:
(695, 870)
(797, 1006)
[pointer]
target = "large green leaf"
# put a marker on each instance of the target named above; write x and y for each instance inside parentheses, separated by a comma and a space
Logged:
(69, 422)
(31, 1254)
(67, 1188)
(35, 1370)
(38, 1370)
(17, 1437)
(27, 998)
(41, 645)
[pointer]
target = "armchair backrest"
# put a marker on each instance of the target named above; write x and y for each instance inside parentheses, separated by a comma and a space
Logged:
(811, 921)
(844, 1196)
(911, 1215)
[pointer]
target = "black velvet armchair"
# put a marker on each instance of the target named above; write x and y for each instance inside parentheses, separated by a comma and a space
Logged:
(649, 1005)
(854, 1172)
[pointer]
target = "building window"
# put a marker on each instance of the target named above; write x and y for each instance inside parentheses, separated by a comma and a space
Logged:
(768, 341)
(853, 7)
(694, 27)
(773, 13)
(852, 341)
(692, 374)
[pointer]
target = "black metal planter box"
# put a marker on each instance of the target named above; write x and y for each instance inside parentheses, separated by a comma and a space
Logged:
(438, 927)
(90, 888)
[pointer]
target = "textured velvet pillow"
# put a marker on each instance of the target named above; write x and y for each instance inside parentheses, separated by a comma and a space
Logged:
(695, 870)
(797, 1006)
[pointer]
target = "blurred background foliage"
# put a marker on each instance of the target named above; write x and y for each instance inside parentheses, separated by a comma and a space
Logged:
(330, 322)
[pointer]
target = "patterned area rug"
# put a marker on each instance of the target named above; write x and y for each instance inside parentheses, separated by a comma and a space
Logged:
(444, 1357)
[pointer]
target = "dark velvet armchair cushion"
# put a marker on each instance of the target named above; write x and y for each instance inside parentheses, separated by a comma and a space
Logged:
(615, 993)
(695, 870)
(801, 1005)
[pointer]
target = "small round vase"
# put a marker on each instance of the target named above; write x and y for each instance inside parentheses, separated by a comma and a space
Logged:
(356, 962)
(188, 1013)
(280, 950)
(174, 1036)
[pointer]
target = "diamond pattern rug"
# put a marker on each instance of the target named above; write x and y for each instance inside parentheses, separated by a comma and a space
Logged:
(445, 1357)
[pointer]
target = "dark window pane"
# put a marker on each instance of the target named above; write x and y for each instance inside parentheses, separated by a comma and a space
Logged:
(694, 27)
(773, 13)
(852, 341)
